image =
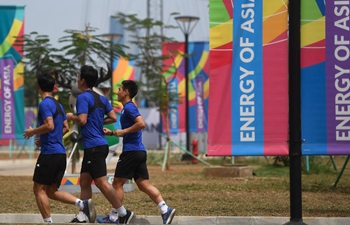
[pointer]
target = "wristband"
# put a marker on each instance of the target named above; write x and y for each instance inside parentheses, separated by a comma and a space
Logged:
(112, 133)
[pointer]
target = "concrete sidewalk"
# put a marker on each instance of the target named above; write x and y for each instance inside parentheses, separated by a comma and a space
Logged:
(17, 167)
(182, 220)
(25, 167)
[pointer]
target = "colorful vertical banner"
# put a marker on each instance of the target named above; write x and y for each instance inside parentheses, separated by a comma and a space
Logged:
(325, 62)
(11, 73)
(198, 66)
(123, 69)
(201, 121)
(248, 78)
(173, 112)
(7, 106)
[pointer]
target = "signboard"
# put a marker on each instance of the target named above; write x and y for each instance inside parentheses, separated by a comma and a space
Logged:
(11, 73)
(248, 78)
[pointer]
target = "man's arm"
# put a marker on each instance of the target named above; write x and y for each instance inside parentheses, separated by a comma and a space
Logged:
(80, 119)
(111, 118)
(138, 125)
(43, 129)
(65, 127)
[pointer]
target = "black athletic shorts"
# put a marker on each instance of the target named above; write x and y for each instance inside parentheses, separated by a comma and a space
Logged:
(49, 169)
(94, 161)
(132, 164)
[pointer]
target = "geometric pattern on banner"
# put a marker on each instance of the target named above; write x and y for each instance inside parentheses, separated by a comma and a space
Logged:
(198, 86)
(123, 69)
(74, 179)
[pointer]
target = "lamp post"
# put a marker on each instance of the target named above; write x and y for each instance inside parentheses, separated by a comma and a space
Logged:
(187, 24)
(112, 37)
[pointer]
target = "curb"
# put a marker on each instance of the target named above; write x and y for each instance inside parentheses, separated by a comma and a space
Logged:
(183, 220)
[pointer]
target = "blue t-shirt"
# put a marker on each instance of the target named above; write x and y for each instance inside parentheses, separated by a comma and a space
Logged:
(131, 141)
(92, 131)
(51, 142)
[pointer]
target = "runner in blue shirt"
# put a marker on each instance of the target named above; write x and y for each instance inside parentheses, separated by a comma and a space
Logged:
(91, 111)
(132, 161)
(51, 163)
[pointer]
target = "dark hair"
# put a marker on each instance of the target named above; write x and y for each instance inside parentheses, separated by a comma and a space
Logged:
(46, 82)
(89, 74)
(131, 86)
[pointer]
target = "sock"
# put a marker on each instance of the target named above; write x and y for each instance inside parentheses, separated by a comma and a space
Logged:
(121, 211)
(163, 207)
(48, 220)
(113, 216)
(81, 216)
(79, 203)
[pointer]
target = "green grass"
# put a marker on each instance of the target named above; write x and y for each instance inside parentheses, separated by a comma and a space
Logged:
(186, 188)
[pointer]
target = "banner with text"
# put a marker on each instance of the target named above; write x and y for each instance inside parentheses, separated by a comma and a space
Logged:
(11, 73)
(248, 86)
(325, 62)
(254, 78)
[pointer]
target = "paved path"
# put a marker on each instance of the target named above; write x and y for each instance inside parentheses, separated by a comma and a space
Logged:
(17, 167)
(181, 220)
(25, 167)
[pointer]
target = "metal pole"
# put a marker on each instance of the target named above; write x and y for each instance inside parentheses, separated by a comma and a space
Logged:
(148, 14)
(112, 89)
(185, 25)
(186, 156)
(111, 37)
(187, 97)
(160, 84)
(71, 155)
(294, 114)
(341, 172)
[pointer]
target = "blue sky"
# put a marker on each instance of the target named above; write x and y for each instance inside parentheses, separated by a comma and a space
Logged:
(53, 17)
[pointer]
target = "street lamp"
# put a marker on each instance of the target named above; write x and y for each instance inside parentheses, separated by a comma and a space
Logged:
(187, 24)
(112, 37)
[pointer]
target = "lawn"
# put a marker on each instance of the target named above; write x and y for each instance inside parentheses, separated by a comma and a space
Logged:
(185, 188)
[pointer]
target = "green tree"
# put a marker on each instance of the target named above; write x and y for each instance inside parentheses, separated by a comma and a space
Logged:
(83, 47)
(80, 47)
(150, 60)
(37, 50)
